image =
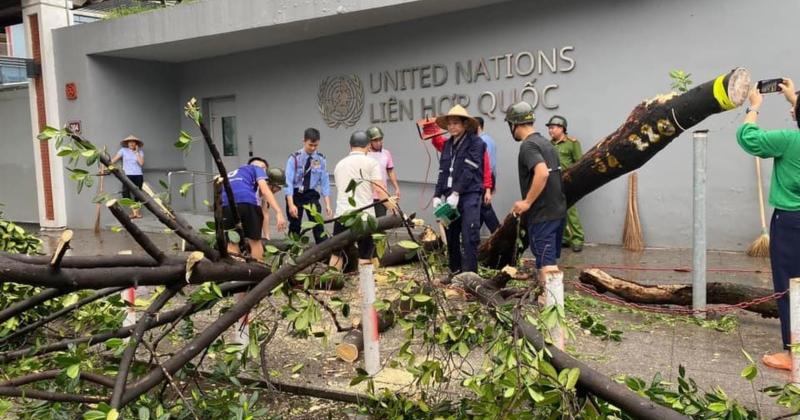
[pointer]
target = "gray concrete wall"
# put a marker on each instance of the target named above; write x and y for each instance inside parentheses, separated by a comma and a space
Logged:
(17, 170)
(118, 97)
(623, 51)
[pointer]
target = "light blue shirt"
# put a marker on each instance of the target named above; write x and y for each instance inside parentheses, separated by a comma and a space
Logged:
(492, 149)
(319, 173)
(129, 163)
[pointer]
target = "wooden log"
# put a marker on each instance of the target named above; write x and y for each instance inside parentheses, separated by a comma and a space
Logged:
(353, 342)
(351, 346)
(680, 294)
(397, 255)
(649, 128)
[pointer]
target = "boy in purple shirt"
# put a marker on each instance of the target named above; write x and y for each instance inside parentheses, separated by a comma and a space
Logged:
(247, 182)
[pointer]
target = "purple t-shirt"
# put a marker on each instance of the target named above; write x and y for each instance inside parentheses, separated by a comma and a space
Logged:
(244, 183)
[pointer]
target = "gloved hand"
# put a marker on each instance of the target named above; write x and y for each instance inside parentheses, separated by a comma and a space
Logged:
(436, 202)
(452, 200)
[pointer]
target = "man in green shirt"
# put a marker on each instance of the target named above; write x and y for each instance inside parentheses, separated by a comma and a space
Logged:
(569, 152)
(783, 146)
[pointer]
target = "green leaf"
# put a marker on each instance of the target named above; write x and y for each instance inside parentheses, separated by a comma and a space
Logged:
(70, 300)
(233, 236)
(94, 415)
(74, 370)
(48, 133)
(113, 414)
(410, 245)
(572, 378)
(718, 407)
(126, 202)
(421, 298)
(185, 188)
(297, 368)
(750, 372)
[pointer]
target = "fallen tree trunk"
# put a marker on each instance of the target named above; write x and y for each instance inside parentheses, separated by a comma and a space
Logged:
(649, 128)
(680, 294)
(590, 380)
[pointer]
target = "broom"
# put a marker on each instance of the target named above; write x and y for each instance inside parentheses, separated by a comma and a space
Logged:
(632, 232)
(760, 247)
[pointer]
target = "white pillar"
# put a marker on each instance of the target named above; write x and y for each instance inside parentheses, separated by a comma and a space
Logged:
(794, 329)
(369, 320)
(43, 16)
(554, 295)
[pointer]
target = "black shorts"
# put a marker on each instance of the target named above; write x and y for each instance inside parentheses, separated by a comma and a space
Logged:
(545, 241)
(252, 220)
(366, 246)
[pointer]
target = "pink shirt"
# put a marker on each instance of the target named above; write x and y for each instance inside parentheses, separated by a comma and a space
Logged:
(385, 163)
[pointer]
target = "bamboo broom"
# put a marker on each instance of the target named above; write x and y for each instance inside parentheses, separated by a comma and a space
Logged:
(632, 232)
(760, 247)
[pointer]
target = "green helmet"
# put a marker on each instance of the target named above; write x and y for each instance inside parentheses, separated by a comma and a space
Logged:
(558, 120)
(276, 177)
(374, 133)
(520, 113)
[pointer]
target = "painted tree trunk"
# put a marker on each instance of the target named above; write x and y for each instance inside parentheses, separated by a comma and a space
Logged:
(649, 128)
(680, 294)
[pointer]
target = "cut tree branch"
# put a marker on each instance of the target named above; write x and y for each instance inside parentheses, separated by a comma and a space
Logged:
(244, 305)
(140, 237)
(590, 380)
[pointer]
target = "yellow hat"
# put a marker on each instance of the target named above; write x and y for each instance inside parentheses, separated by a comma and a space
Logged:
(131, 138)
(458, 111)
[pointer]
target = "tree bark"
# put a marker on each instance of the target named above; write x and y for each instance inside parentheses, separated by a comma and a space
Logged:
(649, 128)
(680, 294)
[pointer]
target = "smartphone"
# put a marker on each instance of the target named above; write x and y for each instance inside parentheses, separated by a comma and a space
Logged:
(769, 85)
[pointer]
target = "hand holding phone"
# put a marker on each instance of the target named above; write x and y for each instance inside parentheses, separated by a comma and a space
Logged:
(769, 85)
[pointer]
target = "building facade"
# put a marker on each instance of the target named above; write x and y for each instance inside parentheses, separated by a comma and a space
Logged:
(264, 71)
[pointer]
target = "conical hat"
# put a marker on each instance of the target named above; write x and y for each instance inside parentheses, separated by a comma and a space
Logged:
(458, 111)
(131, 138)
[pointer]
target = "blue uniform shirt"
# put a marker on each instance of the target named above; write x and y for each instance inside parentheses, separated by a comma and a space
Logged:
(492, 149)
(244, 183)
(295, 173)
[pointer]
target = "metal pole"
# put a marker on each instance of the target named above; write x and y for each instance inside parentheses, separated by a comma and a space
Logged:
(794, 322)
(700, 142)
(554, 295)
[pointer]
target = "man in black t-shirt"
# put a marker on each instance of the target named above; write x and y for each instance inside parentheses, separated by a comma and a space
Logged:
(543, 205)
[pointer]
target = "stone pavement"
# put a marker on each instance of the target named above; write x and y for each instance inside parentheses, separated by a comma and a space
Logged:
(650, 343)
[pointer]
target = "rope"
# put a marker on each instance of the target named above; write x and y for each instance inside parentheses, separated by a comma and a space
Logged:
(675, 311)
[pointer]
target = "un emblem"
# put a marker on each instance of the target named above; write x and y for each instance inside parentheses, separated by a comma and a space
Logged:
(341, 100)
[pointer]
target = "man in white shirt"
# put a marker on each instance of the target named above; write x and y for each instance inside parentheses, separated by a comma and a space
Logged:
(365, 171)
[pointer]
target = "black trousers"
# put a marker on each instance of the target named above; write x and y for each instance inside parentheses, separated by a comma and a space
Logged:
(488, 216)
(784, 252)
(137, 180)
(301, 199)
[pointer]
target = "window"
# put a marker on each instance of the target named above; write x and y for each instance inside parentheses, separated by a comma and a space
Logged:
(229, 144)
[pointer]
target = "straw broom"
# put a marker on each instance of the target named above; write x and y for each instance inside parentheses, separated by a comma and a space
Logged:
(632, 232)
(760, 247)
